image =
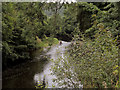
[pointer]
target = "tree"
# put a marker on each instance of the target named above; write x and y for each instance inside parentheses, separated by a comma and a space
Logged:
(22, 22)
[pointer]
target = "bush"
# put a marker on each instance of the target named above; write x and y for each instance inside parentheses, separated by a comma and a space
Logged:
(92, 63)
(48, 41)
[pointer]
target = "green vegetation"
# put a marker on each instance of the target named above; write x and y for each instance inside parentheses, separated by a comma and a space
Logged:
(23, 24)
(92, 28)
(47, 41)
(92, 59)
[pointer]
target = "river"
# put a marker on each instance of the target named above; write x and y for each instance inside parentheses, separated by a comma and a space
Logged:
(33, 73)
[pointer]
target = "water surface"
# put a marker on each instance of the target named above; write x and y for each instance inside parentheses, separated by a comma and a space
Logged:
(29, 74)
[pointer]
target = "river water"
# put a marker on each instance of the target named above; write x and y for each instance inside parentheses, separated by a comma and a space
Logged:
(35, 71)
(55, 52)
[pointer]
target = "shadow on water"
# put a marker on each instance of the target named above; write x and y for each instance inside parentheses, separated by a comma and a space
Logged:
(32, 73)
(22, 76)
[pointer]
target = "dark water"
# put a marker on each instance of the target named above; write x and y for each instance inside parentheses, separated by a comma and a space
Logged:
(23, 76)
(31, 73)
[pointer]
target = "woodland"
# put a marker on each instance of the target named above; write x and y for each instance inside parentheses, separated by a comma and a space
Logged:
(93, 27)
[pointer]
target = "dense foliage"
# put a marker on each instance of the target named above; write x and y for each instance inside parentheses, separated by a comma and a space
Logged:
(93, 54)
(23, 24)
(92, 28)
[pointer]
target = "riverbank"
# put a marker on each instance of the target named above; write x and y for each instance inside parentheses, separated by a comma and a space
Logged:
(56, 52)
(28, 74)
(21, 76)
(23, 67)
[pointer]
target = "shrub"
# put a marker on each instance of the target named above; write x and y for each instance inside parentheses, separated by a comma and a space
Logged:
(91, 63)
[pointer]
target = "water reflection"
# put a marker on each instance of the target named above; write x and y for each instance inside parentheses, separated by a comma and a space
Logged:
(22, 76)
(55, 52)
(27, 75)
